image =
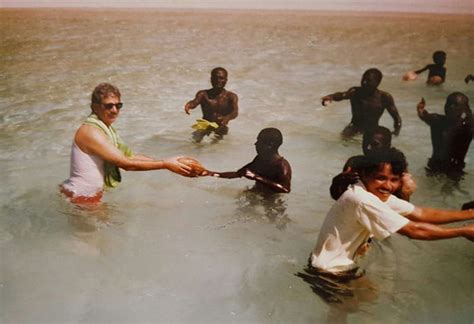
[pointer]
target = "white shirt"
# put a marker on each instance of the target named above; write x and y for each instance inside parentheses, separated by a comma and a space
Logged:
(86, 177)
(354, 217)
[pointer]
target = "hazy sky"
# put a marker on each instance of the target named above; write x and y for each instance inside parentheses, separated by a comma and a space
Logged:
(445, 6)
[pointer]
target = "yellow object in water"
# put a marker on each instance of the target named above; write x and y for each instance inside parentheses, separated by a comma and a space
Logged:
(202, 124)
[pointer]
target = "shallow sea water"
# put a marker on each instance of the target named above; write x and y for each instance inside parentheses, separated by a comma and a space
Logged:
(164, 248)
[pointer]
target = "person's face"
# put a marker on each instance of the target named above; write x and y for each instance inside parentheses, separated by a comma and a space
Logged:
(263, 147)
(456, 109)
(219, 79)
(369, 82)
(376, 142)
(107, 110)
(383, 183)
(440, 59)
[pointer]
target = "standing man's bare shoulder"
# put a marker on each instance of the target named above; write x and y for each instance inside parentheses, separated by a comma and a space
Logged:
(285, 167)
(92, 140)
(202, 95)
(350, 93)
(386, 97)
(231, 96)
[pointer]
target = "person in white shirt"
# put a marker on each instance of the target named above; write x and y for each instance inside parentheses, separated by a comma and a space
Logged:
(368, 209)
(98, 152)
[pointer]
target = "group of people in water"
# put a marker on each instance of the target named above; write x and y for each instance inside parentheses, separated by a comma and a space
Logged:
(372, 193)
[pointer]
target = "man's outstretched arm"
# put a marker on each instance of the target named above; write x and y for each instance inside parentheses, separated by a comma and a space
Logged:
(230, 174)
(195, 102)
(440, 216)
(422, 70)
(337, 96)
(430, 232)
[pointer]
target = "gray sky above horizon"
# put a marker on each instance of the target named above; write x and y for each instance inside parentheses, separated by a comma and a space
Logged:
(438, 6)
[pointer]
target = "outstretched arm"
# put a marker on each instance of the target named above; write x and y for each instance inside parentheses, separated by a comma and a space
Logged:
(282, 185)
(393, 111)
(429, 232)
(440, 216)
(230, 174)
(195, 102)
(337, 96)
(422, 70)
(91, 140)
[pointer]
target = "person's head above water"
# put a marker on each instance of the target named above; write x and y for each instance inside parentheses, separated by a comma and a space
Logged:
(382, 170)
(371, 79)
(102, 91)
(105, 102)
(457, 107)
(378, 138)
(439, 57)
(268, 141)
(219, 77)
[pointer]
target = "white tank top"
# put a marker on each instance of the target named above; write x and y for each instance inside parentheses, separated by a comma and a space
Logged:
(86, 176)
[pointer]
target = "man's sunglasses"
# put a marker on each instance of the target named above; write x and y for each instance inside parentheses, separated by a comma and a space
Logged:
(109, 106)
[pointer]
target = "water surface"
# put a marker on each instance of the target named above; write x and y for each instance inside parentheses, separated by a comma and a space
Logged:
(172, 249)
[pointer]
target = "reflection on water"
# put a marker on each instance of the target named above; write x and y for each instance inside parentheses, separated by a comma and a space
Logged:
(89, 218)
(450, 184)
(257, 204)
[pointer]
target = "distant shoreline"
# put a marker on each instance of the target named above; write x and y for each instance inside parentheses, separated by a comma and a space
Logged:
(304, 12)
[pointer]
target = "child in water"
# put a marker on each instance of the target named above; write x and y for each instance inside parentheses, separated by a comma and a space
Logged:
(269, 169)
(437, 71)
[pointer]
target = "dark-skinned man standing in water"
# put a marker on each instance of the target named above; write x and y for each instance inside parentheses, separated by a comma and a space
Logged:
(218, 106)
(367, 104)
(451, 135)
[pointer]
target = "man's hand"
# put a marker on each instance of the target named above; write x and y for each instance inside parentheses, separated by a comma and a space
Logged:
(175, 166)
(396, 129)
(222, 120)
(187, 107)
(326, 100)
(408, 186)
(420, 108)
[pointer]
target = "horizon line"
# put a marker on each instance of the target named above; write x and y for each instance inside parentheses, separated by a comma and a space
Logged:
(200, 8)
